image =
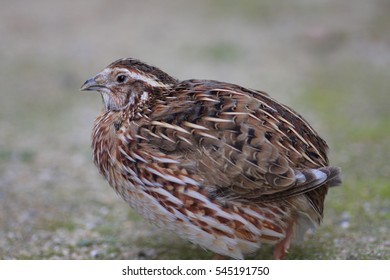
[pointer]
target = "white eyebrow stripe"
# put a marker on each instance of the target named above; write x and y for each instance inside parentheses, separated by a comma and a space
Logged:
(146, 79)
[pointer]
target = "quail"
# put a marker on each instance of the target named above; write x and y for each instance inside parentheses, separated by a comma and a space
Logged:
(223, 166)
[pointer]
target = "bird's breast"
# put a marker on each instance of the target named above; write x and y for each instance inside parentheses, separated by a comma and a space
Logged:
(105, 142)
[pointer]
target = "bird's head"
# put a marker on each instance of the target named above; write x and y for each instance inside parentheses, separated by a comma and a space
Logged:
(128, 82)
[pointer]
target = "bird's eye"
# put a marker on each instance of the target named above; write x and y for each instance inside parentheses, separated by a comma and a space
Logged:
(121, 78)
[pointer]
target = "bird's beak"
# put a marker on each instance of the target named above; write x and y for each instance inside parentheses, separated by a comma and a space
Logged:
(91, 84)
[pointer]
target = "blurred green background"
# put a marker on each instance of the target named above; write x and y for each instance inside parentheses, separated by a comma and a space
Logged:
(329, 60)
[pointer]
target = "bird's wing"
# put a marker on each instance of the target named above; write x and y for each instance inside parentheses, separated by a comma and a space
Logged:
(242, 142)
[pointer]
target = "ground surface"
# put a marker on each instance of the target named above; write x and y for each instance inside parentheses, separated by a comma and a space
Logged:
(330, 60)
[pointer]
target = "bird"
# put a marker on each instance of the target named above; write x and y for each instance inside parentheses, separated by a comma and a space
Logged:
(223, 166)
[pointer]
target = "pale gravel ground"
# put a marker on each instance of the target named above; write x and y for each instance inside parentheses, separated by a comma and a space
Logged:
(53, 202)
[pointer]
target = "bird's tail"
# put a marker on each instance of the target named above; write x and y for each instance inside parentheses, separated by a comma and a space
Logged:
(333, 174)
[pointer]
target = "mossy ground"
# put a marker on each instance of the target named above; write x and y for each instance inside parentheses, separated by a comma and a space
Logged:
(328, 60)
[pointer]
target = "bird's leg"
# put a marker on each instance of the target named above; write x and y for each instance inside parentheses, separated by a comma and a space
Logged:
(281, 248)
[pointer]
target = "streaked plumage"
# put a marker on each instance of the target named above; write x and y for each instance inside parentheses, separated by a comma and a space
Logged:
(221, 165)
